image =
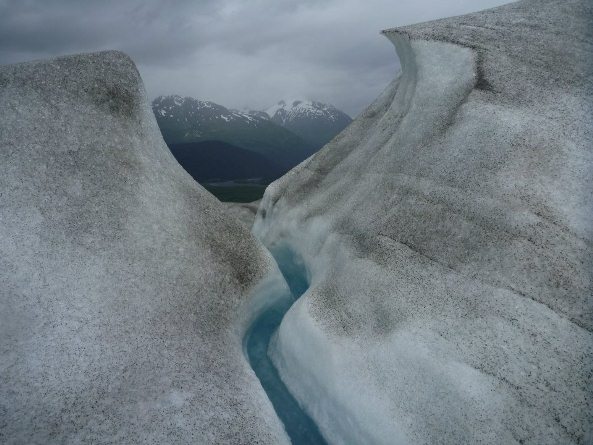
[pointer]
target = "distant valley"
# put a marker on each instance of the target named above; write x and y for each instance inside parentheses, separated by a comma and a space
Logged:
(214, 143)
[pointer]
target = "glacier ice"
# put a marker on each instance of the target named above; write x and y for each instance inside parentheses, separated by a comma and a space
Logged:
(448, 234)
(243, 211)
(126, 288)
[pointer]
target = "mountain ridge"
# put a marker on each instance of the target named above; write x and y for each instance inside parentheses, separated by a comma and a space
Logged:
(186, 119)
(313, 121)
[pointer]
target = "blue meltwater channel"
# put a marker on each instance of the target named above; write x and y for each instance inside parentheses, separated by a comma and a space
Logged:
(301, 429)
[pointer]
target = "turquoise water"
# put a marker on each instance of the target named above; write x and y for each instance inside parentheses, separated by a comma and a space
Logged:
(301, 429)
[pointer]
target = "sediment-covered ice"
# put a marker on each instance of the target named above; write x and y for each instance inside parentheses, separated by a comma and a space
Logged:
(124, 284)
(448, 232)
(243, 211)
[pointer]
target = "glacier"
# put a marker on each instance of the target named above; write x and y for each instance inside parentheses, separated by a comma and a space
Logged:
(126, 289)
(449, 240)
(442, 244)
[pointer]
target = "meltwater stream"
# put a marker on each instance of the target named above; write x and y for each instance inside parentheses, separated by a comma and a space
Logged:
(299, 426)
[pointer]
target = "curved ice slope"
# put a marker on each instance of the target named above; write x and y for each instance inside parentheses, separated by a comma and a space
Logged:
(124, 283)
(449, 238)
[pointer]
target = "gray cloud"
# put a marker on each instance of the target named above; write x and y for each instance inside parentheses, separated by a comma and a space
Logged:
(234, 52)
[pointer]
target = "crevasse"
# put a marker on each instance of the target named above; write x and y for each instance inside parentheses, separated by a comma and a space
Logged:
(299, 426)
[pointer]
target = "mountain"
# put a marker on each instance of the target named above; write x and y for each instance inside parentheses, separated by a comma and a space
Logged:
(313, 121)
(185, 119)
(219, 161)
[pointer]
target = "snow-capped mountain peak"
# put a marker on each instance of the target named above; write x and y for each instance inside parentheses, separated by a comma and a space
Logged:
(188, 120)
(178, 108)
(290, 109)
(312, 120)
(185, 118)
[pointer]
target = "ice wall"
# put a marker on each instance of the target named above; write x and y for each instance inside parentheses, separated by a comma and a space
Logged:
(448, 231)
(124, 284)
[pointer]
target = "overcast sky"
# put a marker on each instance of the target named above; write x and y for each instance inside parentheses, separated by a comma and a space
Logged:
(239, 53)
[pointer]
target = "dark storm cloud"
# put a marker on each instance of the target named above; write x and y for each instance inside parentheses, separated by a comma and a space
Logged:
(45, 28)
(235, 52)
